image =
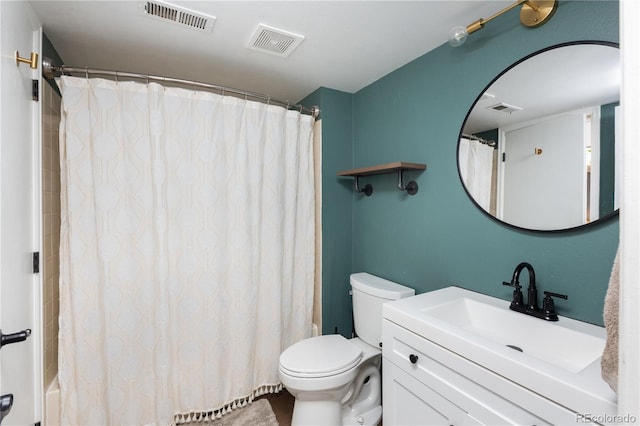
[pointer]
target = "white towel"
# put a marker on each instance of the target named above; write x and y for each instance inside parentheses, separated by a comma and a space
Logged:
(609, 361)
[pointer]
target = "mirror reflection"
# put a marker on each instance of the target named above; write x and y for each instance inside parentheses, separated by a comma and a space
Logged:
(538, 148)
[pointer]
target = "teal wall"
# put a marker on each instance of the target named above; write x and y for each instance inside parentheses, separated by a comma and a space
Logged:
(337, 207)
(438, 237)
(607, 158)
(50, 52)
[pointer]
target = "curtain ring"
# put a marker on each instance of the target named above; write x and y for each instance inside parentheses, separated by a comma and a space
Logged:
(147, 79)
(268, 100)
(116, 76)
(300, 108)
(86, 73)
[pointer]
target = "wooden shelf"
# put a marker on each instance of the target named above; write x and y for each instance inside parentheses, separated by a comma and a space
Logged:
(396, 167)
(382, 169)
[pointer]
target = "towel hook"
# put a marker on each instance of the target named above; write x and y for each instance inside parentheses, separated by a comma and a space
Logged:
(32, 60)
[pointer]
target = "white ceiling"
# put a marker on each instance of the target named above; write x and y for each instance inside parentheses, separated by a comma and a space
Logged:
(347, 46)
(574, 77)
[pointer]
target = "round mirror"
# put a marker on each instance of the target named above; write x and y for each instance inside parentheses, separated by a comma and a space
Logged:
(538, 148)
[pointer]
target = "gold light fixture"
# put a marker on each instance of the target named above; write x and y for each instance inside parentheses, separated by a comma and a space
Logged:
(533, 14)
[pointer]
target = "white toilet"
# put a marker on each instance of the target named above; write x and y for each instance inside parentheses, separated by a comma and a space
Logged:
(337, 381)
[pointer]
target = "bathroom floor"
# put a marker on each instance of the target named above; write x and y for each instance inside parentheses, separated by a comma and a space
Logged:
(282, 406)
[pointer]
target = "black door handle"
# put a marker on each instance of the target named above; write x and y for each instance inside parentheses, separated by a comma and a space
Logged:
(21, 336)
(6, 402)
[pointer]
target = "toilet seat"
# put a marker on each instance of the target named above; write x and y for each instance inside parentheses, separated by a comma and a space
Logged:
(320, 356)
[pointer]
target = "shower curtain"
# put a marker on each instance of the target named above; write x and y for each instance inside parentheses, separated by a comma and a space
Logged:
(187, 250)
(475, 161)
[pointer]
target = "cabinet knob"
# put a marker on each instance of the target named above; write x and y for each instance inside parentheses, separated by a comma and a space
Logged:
(413, 358)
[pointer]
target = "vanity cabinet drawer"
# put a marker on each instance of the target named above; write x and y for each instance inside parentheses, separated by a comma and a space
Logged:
(486, 396)
(408, 402)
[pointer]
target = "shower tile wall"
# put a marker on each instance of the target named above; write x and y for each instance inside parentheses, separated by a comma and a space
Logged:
(51, 225)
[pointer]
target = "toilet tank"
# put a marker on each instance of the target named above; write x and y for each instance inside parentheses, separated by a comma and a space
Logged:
(369, 293)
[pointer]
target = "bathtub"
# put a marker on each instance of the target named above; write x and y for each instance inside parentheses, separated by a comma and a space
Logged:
(52, 404)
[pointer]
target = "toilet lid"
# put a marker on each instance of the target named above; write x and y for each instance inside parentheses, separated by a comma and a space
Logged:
(320, 356)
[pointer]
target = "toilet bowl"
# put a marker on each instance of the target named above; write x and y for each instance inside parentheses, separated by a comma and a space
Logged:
(337, 381)
(326, 375)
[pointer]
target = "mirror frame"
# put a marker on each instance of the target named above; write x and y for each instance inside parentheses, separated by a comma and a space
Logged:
(596, 222)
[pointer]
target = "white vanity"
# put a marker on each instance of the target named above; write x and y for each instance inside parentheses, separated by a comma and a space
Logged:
(457, 357)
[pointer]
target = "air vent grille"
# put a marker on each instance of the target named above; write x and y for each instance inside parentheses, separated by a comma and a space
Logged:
(179, 15)
(506, 108)
(274, 41)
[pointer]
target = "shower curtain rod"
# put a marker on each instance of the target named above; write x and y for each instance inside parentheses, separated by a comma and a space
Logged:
(49, 70)
(492, 144)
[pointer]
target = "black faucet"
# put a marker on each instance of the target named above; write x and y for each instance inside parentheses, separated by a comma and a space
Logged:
(531, 308)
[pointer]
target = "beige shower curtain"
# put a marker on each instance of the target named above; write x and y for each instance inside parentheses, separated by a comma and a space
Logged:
(187, 250)
(476, 165)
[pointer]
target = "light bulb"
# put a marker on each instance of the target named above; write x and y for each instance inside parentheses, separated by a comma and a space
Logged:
(458, 35)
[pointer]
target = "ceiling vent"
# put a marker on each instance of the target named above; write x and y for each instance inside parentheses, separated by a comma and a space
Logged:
(274, 41)
(176, 14)
(506, 108)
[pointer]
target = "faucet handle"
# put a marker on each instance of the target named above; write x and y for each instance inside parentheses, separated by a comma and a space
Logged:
(548, 307)
(515, 284)
(552, 294)
(518, 300)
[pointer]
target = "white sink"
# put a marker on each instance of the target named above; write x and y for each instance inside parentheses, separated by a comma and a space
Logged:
(564, 347)
(558, 359)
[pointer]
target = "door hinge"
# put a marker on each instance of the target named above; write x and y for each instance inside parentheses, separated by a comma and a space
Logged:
(35, 92)
(504, 157)
(36, 262)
